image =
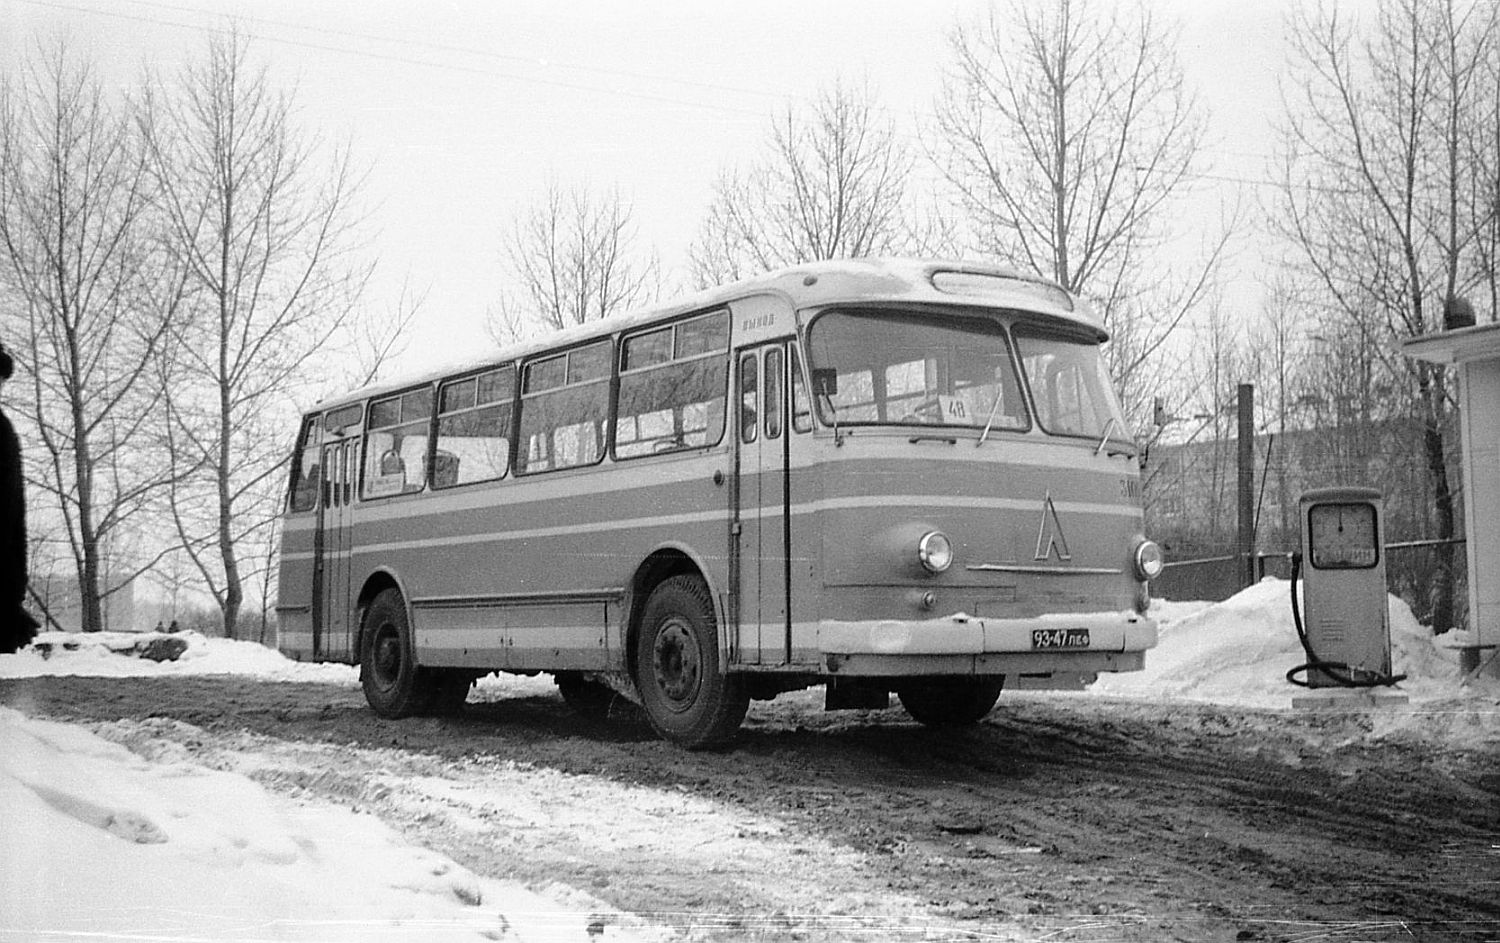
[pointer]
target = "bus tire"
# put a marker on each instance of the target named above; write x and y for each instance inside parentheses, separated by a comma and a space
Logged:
(394, 686)
(950, 702)
(686, 697)
(587, 699)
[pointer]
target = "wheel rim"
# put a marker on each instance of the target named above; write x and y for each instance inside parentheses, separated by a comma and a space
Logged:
(386, 664)
(677, 665)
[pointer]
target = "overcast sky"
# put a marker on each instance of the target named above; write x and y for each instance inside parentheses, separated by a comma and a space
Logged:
(464, 109)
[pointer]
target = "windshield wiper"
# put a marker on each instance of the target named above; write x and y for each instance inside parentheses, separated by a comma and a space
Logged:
(1104, 440)
(990, 421)
(833, 419)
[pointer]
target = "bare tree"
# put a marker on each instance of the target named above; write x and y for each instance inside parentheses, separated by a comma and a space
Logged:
(1385, 128)
(267, 235)
(379, 336)
(574, 257)
(1069, 136)
(93, 300)
(834, 183)
(1484, 162)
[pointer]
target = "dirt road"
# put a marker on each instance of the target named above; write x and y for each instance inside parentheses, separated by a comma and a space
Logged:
(1060, 817)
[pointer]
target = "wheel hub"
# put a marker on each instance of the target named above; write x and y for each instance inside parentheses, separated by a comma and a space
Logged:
(677, 664)
(387, 661)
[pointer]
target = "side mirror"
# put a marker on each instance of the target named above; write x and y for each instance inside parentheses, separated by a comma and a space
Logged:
(825, 381)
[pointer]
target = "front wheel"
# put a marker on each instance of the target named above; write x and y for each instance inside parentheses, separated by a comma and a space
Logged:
(686, 696)
(950, 702)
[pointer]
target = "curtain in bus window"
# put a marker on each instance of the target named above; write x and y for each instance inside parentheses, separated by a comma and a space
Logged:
(915, 368)
(473, 442)
(1070, 386)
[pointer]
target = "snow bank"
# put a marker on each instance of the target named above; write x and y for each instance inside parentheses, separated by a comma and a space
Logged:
(100, 842)
(113, 655)
(116, 655)
(1237, 652)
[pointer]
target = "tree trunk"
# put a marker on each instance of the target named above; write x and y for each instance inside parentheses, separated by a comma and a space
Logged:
(1432, 388)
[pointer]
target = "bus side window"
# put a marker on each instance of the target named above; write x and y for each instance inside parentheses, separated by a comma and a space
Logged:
(672, 383)
(395, 445)
(473, 430)
(749, 383)
(564, 409)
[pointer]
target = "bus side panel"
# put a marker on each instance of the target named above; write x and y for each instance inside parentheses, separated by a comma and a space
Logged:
(294, 619)
(533, 573)
(538, 636)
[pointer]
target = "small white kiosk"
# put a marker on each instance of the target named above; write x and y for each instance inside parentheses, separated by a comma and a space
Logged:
(1475, 351)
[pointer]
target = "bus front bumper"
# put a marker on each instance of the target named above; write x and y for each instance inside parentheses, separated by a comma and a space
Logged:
(963, 644)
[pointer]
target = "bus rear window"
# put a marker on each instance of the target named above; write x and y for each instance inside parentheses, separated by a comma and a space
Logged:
(914, 368)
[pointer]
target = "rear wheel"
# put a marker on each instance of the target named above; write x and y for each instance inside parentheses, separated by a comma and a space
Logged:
(686, 697)
(949, 702)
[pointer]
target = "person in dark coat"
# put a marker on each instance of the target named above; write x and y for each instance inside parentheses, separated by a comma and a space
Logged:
(17, 627)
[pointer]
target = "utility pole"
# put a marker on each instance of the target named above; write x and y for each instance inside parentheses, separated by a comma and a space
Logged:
(1246, 492)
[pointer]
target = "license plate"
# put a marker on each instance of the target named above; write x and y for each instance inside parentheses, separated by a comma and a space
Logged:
(1059, 638)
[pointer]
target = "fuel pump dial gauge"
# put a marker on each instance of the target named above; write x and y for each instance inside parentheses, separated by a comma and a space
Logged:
(1343, 536)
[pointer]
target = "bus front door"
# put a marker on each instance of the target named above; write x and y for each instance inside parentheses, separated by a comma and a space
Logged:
(334, 545)
(761, 552)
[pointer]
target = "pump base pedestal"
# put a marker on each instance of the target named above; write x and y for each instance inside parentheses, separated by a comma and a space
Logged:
(1344, 699)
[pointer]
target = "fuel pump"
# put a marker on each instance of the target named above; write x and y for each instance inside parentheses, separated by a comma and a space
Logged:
(1347, 633)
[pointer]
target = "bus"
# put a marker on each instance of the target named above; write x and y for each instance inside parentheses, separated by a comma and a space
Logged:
(878, 476)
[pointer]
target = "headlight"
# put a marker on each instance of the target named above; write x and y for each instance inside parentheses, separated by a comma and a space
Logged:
(1149, 560)
(935, 551)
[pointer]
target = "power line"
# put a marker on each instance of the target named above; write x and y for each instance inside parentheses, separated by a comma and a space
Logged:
(449, 49)
(407, 60)
(471, 51)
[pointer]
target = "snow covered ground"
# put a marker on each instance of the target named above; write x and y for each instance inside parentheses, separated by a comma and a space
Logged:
(84, 819)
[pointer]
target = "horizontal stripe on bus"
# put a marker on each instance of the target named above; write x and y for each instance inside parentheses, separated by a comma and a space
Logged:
(604, 479)
(911, 503)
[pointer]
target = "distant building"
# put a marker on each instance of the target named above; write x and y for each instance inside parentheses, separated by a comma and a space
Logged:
(1190, 490)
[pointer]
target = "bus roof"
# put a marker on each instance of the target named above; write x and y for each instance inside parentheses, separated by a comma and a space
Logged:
(810, 285)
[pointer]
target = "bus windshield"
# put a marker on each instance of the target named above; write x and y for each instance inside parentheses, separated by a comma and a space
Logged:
(892, 367)
(1071, 388)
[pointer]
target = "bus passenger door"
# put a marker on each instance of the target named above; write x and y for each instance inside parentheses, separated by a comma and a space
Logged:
(762, 536)
(331, 577)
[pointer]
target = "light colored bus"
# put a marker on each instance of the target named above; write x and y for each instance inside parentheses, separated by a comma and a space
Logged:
(880, 476)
